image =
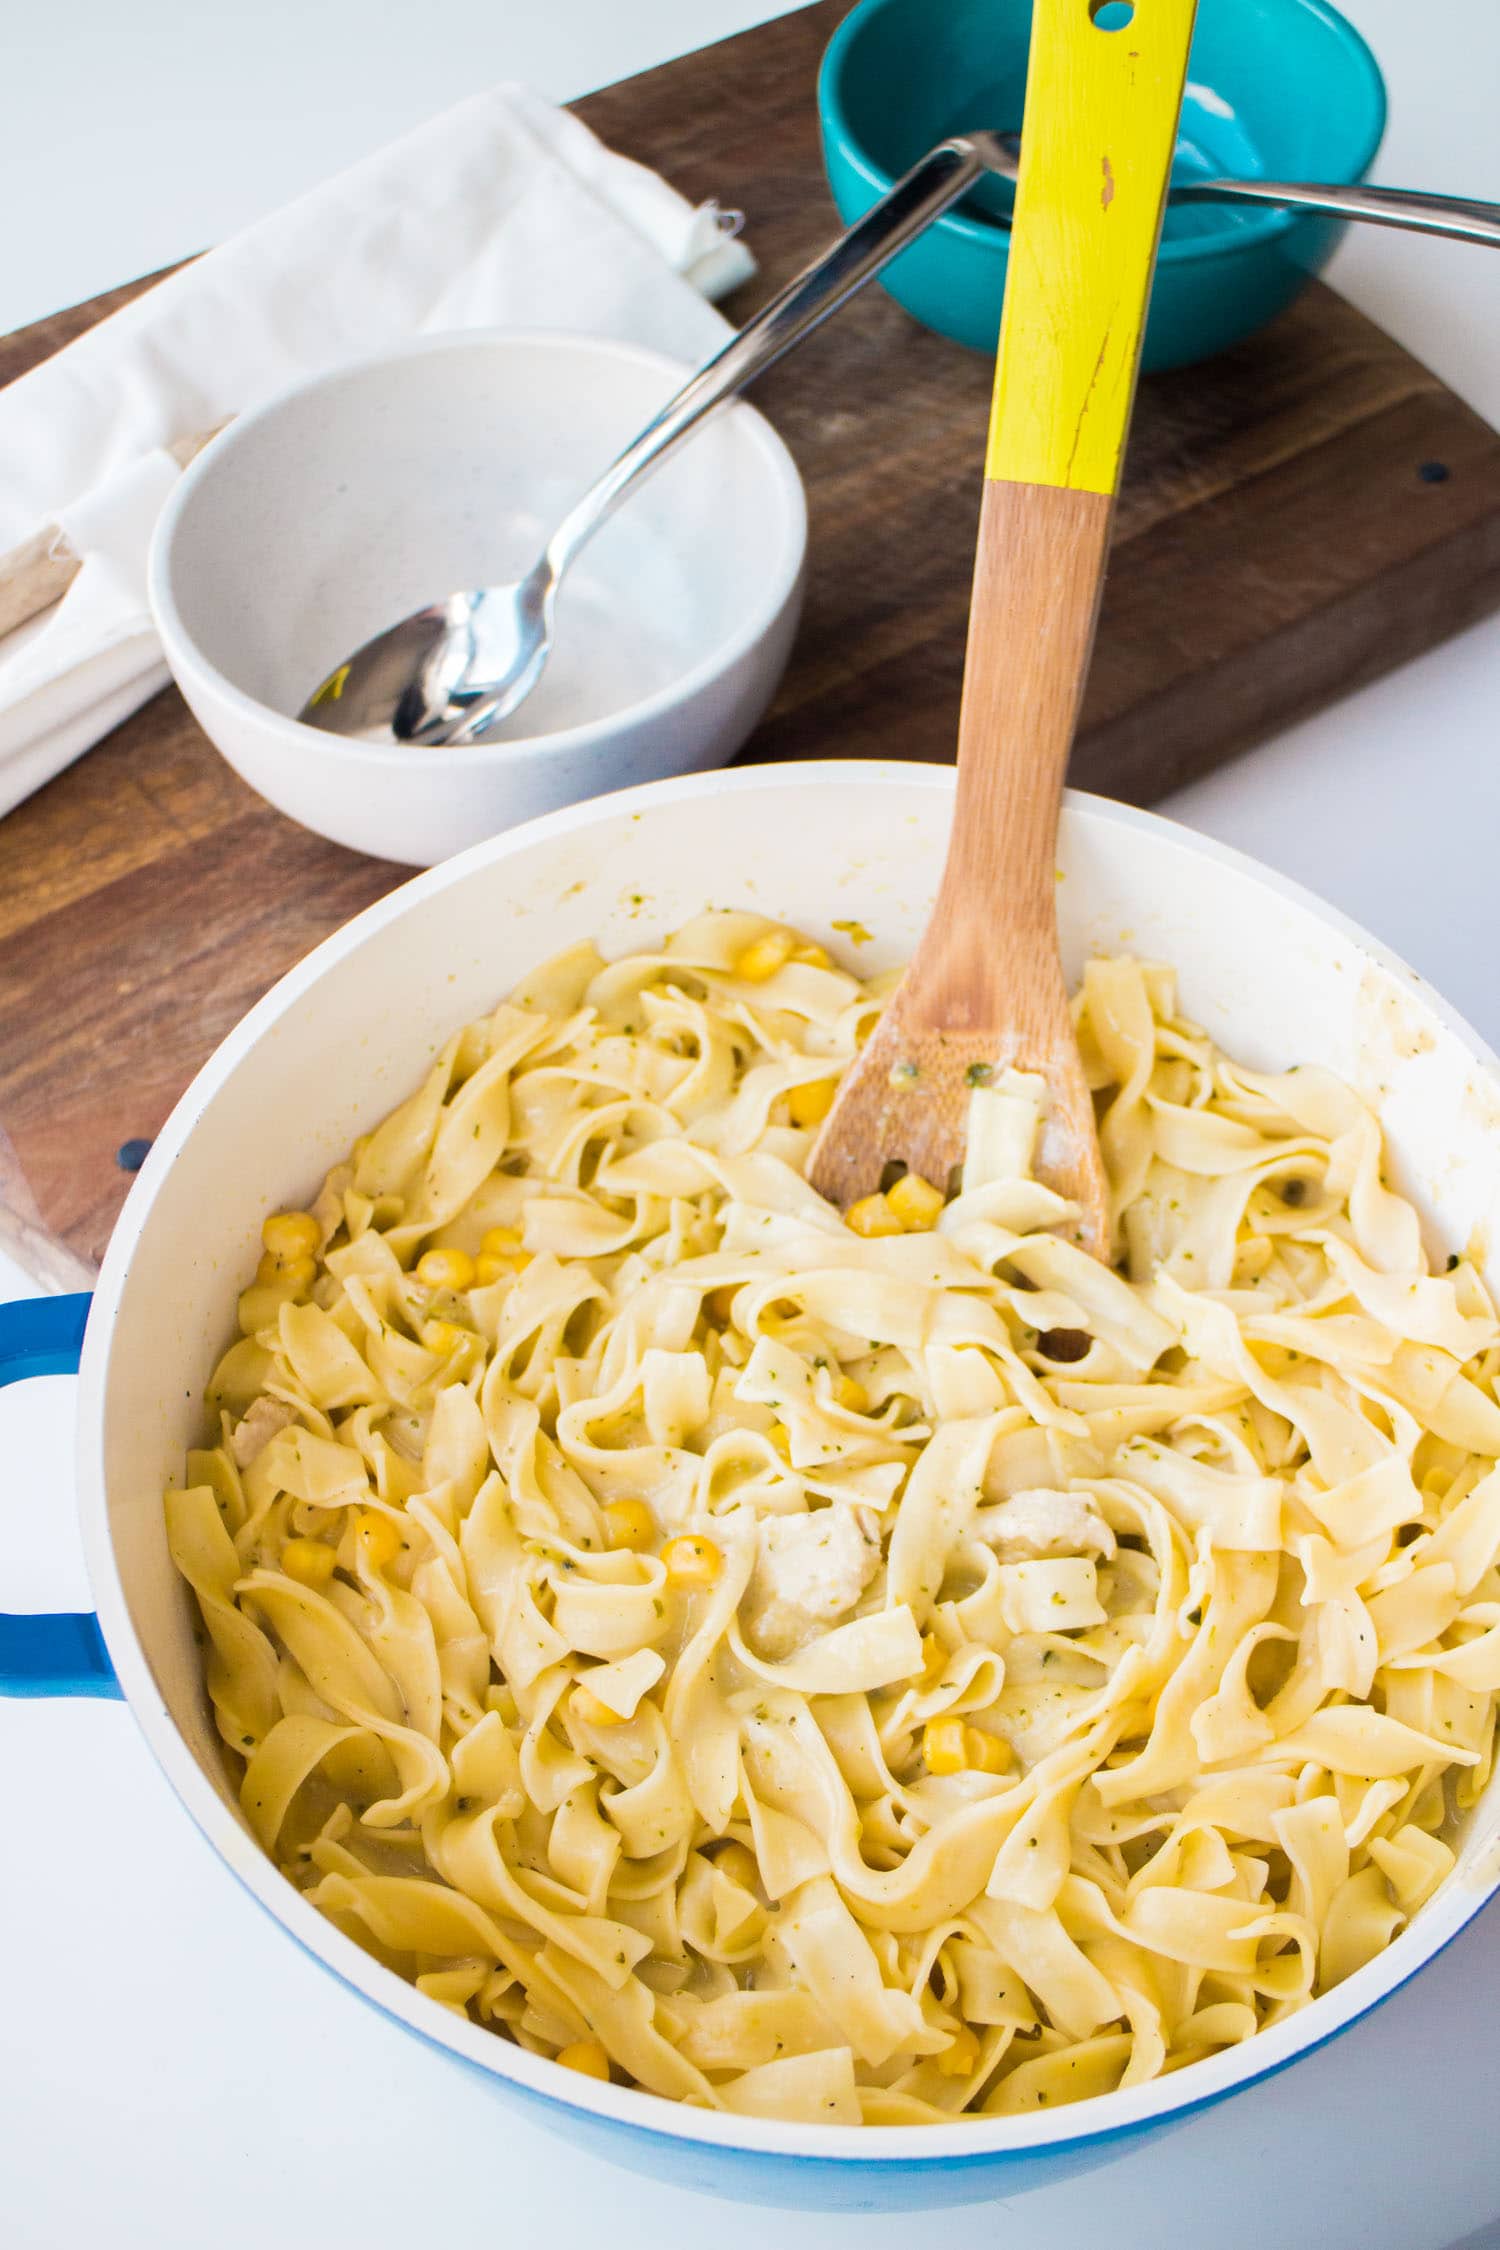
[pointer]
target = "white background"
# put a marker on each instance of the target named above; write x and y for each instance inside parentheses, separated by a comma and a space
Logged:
(172, 2072)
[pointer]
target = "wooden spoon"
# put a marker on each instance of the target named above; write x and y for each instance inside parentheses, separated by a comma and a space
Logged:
(985, 991)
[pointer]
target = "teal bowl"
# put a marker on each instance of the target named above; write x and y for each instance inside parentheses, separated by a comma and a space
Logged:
(1277, 89)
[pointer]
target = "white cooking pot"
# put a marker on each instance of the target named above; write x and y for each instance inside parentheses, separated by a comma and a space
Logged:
(840, 850)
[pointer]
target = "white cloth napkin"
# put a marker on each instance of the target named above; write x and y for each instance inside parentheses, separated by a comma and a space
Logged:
(504, 212)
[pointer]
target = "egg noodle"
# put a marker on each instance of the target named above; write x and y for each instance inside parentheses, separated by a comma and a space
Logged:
(881, 1672)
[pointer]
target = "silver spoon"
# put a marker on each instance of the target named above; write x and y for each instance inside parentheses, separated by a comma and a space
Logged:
(1458, 216)
(448, 673)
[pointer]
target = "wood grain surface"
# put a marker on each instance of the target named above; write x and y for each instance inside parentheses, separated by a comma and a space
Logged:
(1297, 518)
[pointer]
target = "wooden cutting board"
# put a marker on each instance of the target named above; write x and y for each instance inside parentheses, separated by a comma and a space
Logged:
(1298, 517)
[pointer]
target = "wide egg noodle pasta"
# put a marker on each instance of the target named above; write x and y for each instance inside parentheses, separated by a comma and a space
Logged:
(1072, 1671)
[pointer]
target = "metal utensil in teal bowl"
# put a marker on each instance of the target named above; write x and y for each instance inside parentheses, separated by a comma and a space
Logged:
(1277, 89)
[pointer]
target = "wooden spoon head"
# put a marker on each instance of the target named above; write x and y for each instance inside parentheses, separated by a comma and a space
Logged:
(906, 1096)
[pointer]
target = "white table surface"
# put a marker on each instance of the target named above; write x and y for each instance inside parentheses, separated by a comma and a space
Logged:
(172, 2072)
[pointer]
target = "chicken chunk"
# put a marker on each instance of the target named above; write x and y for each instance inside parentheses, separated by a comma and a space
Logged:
(810, 1571)
(251, 1436)
(1041, 1523)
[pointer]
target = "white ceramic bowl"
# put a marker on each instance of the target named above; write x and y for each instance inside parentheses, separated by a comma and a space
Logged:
(1273, 975)
(353, 499)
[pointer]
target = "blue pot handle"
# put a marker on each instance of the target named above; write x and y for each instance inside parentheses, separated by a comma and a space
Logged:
(59, 1655)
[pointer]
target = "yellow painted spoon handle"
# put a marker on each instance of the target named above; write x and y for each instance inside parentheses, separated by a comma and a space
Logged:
(1100, 128)
(1096, 153)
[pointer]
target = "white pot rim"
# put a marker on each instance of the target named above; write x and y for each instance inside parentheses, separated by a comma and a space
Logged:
(1095, 2122)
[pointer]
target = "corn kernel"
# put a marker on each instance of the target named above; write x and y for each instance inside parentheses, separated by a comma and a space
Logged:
(379, 1540)
(916, 1202)
(986, 1753)
(629, 1523)
(295, 1276)
(585, 2056)
(872, 1215)
(592, 1710)
(738, 1864)
(446, 1269)
(310, 1561)
(764, 955)
(781, 1437)
(446, 1336)
(851, 1396)
(500, 1253)
(961, 2054)
(291, 1234)
(691, 1561)
(934, 1654)
(943, 1748)
(812, 956)
(809, 1105)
